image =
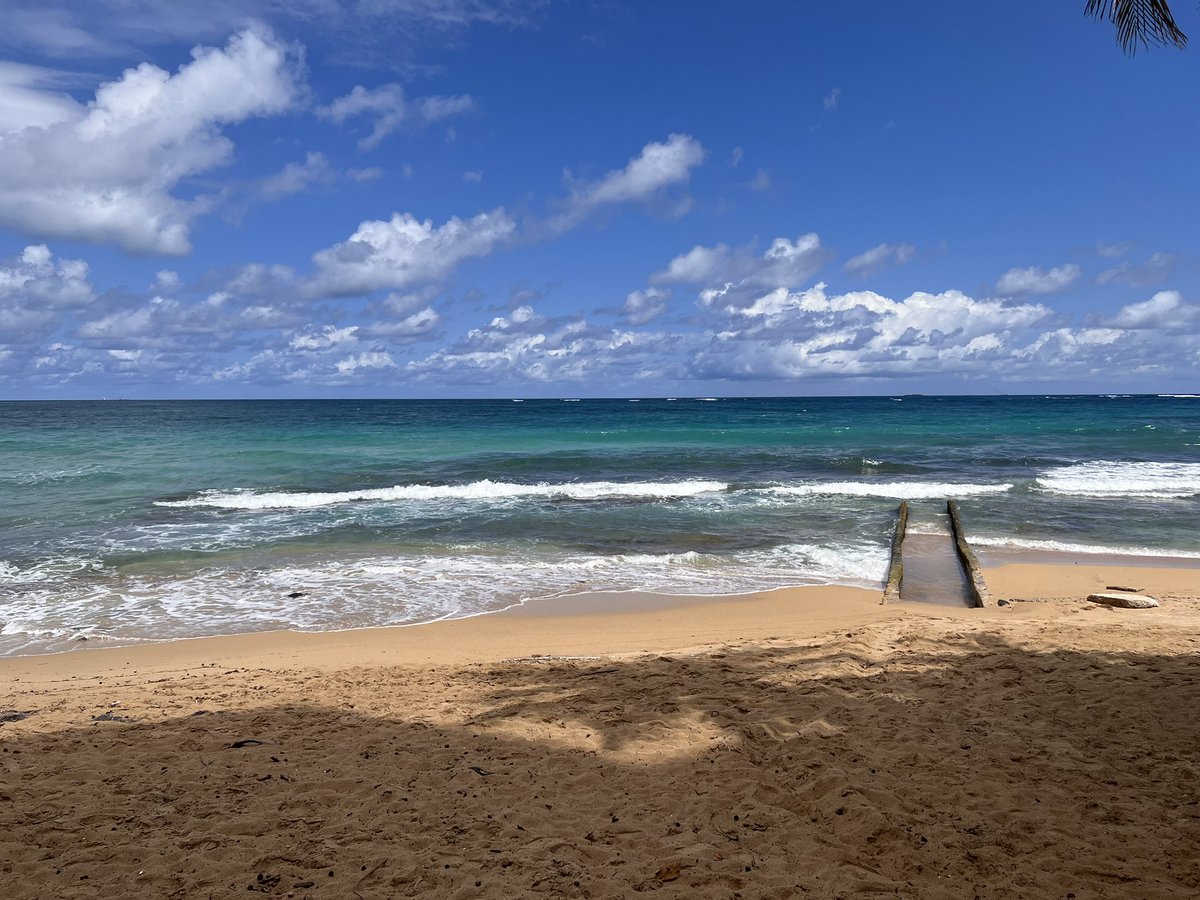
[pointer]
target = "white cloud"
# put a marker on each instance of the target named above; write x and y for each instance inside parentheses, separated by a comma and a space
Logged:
(404, 251)
(811, 333)
(106, 172)
(210, 325)
(371, 359)
(698, 265)
(735, 157)
(831, 99)
(645, 306)
(325, 338)
(36, 291)
(1165, 311)
(1156, 269)
(36, 277)
(527, 347)
(30, 96)
(388, 107)
(406, 329)
(1038, 281)
(472, 177)
(870, 261)
(659, 165)
(785, 263)
(297, 176)
(166, 281)
(113, 27)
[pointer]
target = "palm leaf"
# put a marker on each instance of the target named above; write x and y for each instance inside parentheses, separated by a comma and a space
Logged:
(1139, 23)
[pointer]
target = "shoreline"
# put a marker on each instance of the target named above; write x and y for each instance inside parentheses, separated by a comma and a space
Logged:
(1092, 572)
(613, 623)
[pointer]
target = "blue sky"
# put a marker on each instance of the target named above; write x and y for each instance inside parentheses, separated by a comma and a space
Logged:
(465, 198)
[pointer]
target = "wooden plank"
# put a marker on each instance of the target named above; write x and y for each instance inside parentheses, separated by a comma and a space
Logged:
(976, 586)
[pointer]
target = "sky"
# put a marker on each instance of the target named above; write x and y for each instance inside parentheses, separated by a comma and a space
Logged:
(544, 198)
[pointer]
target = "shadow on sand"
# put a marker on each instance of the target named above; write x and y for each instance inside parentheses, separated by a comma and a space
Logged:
(965, 767)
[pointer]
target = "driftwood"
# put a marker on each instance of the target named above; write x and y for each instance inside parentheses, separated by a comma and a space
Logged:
(975, 583)
(891, 590)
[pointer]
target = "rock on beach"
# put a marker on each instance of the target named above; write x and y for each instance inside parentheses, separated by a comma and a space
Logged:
(1125, 601)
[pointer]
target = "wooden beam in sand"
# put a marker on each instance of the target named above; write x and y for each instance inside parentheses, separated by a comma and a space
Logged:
(891, 590)
(976, 586)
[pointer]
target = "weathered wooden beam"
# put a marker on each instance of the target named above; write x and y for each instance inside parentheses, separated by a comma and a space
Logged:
(976, 586)
(891, 590)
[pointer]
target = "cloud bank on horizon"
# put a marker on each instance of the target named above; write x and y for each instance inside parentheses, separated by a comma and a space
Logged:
(466, 198)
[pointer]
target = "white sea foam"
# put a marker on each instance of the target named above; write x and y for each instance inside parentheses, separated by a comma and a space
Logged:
(1011, 543)
(900, 490)
(1158, 480)
(393, 590)
(479, 490)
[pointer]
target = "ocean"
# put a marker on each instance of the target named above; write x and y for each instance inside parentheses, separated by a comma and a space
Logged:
(125, 521)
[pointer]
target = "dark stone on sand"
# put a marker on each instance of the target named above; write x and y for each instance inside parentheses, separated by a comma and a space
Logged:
(110, 716)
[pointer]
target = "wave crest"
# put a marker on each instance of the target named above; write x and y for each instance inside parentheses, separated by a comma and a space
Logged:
(1157, 480)
(478, 490)
(899, 490)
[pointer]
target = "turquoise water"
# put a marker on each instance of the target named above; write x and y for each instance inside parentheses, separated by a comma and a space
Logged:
(149, 520)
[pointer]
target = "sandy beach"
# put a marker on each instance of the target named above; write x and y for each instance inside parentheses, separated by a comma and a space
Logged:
(802, 741)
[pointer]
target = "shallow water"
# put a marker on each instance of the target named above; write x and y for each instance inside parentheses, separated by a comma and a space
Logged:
(149, 520)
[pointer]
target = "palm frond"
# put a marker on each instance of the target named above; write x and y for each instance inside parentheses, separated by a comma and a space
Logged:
(1139, 23)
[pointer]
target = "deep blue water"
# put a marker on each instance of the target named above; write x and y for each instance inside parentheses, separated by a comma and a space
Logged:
(145, 520)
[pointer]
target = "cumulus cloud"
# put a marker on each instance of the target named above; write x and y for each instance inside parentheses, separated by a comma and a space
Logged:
(812, 333)
(1038, 281)
(36, 290)
(1165, 311)
(107, 171)
(527, 347)
(325, 338)
(1156, 269)
(405, 251)
(831, 99)
(645, 306)
(878, 257)
(785, 263)
(388, 108)
(403, 318)
(658, 166)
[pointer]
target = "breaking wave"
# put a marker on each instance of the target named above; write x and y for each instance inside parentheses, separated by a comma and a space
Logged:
(478, 490)
(900, 490)
(1158, 480)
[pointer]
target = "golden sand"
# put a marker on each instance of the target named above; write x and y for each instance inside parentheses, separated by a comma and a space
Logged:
(805, 741)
